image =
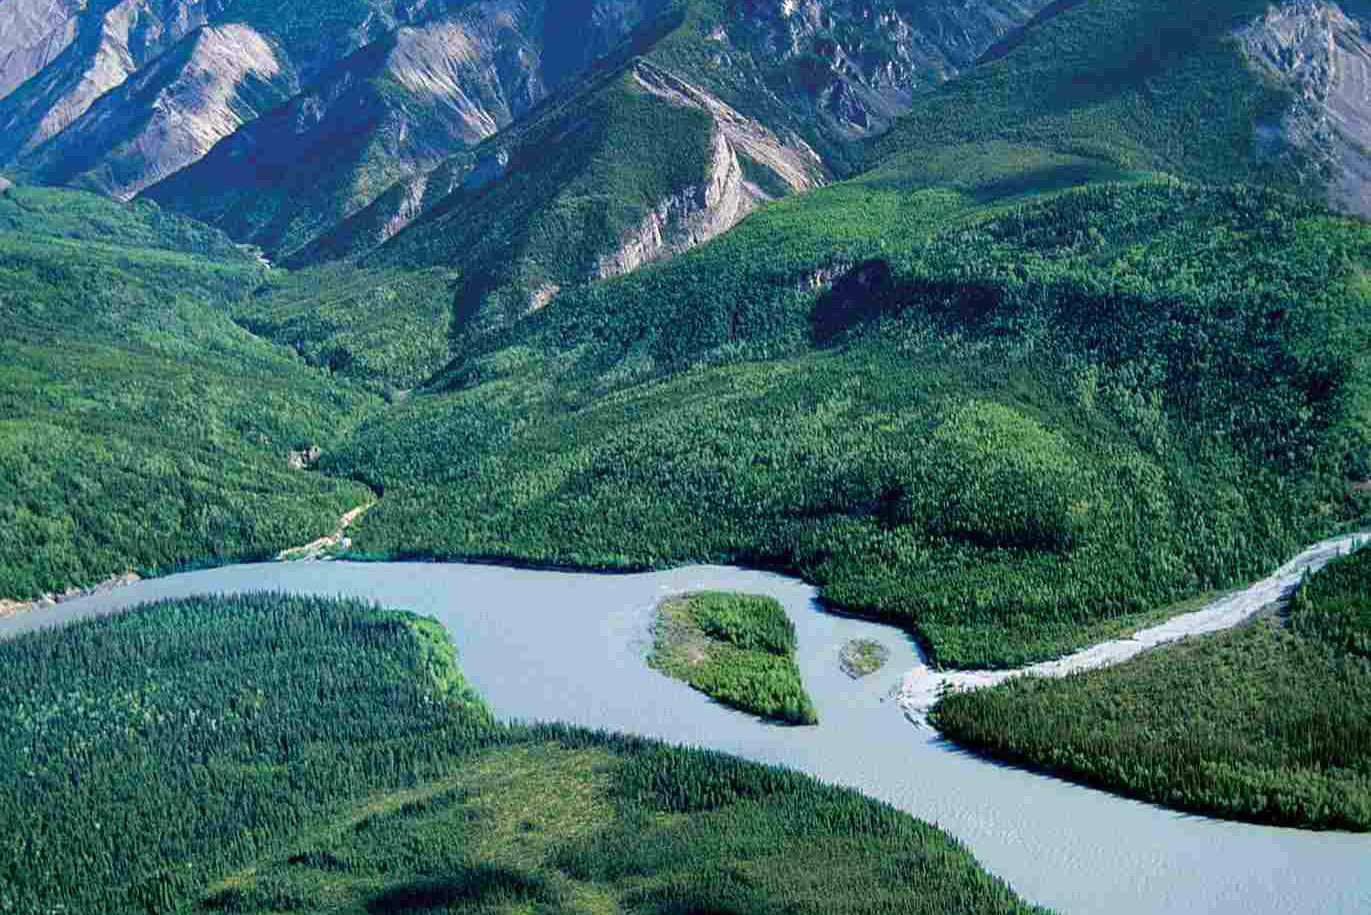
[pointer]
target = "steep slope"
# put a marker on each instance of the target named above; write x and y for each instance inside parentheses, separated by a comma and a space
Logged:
(111, 41)
(139, 428)
(1103, 87)
(34, 33)
(647, 166)
(828, 73)
(838, 70)
(1320, 52)
(167, 115)
(397, 107)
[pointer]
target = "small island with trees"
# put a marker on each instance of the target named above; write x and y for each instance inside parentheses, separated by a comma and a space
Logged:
(738, 649)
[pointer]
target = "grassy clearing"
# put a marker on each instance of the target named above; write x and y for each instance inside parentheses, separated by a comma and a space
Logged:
(1270, 722)
(736, 648)
(262, 753)
(862, 658)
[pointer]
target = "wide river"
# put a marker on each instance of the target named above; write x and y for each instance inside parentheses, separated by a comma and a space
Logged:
(570, 647)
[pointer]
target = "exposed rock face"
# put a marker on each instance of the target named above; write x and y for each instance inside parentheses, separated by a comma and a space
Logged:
(482, 69)
(793, 161)
(856, 63)
(108, 46)
(1323, 55)
(169, 114)
(32, 34)
(690, 217)
(693, 215)
(390, 112)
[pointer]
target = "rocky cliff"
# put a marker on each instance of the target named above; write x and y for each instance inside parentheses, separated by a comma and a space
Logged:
(169, 114)
(692, 215)
(32, 35)
(108, 43)
(1323, 55)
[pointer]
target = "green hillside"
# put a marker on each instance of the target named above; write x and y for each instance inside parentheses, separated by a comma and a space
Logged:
(1014, 429)
(1269, 723)
(387, 329)
(141, 429)
(267, 753)
(1107, 85)
(1014, 388)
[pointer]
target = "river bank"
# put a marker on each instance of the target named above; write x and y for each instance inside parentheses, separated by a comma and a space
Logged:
(14, 607)
(922, 686)
(1069, 847)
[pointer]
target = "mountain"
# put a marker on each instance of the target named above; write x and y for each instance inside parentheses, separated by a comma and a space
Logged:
(1056, 358)
(398, 106)
(648, 166)
(119, 97)
(168, 114)
(185, 93)
(1234, 90)
(1319, 53)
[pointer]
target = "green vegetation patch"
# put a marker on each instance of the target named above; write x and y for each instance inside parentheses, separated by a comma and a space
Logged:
(862, 658)
(386, 329)
(1100, 90)
(736, 648)
(1270, 722)
(1014, 429)
(265, 753)
(140, 429)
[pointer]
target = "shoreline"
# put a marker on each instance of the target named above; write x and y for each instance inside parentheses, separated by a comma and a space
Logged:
(10, 608)
(922, 687)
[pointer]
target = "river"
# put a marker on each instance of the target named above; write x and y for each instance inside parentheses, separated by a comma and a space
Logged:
(570, 647)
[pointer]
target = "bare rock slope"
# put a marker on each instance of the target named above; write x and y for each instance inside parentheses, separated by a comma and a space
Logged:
(1323, 55)
(168, 115)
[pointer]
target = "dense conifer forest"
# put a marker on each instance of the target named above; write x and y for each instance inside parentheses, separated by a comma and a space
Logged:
(1270, 722)
(267, 753)
(140, 429)
(1015, 429)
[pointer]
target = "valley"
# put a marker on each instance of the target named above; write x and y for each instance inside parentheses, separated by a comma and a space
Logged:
(835, 363)
(1054, 842)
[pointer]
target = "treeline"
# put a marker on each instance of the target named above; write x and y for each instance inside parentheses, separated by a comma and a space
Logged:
(1270, 722)
(259, 753)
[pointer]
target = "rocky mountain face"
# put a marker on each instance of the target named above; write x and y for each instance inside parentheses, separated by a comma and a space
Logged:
(694, 214)
(852, 65)
(1323, 55)
(169, 114)
(36, 32)
(395, 109)
(280, 121)
(101, 46)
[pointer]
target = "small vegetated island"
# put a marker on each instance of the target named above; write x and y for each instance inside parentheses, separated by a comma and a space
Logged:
(264, 753)
(1270, 722)
(862, 657)
(736, 648)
